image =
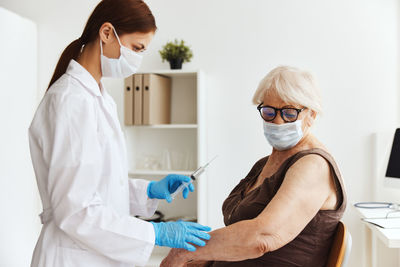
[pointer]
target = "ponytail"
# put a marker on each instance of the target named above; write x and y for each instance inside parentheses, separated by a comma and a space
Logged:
(71, 52)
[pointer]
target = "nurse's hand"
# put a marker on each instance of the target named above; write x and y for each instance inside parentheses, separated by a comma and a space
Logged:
(168, 185)
(181, 234)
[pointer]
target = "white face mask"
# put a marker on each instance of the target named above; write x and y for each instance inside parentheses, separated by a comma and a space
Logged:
(122, 67)
(283, 136)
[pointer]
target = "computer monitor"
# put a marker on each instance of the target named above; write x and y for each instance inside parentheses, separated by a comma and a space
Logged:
(392, 177)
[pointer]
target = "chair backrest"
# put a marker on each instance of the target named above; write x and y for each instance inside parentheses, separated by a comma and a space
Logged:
(341, 247)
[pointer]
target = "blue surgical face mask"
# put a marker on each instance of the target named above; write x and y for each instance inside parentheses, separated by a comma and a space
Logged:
(283, 136)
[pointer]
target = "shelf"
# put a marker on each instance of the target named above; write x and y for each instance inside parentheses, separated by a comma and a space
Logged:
(173, 73)
(166, 126)
(158, 172)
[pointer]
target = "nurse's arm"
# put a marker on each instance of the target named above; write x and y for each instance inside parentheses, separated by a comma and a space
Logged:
(139, 203)
(303, 192)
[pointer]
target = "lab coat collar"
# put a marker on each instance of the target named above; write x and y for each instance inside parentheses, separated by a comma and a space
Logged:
(77, 71)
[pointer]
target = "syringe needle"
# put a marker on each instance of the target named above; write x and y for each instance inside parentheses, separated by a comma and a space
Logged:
(193, 176)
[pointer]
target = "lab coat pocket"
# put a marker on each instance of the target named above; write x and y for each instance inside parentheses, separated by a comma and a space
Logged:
(73, 257)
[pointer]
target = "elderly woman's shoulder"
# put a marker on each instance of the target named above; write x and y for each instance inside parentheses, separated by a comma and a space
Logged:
(313, 160)
(316, 156)
(317, 162)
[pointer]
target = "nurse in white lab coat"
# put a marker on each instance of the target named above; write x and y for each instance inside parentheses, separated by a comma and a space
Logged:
(79, 155)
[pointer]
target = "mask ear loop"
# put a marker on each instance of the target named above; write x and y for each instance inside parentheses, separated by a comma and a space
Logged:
(120, 44)
(116, 35)
(101, 47)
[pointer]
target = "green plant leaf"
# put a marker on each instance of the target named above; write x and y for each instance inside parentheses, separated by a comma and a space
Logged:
(176, 50)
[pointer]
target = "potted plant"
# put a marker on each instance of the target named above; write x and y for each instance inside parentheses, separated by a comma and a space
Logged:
(176, 53)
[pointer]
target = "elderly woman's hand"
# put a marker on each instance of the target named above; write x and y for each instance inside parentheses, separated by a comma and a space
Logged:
(174, 259)
(171, 261)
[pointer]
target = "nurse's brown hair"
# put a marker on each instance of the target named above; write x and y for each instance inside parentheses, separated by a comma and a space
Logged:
(127, 16)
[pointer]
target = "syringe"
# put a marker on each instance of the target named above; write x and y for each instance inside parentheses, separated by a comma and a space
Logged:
(193, 176)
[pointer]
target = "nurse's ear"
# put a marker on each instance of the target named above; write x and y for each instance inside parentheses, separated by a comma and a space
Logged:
(111, 48)
(106, 33)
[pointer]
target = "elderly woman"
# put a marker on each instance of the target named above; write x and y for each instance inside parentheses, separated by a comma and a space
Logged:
(286, 210)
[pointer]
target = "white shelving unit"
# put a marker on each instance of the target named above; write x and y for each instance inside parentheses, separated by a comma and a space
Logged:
(168, 126)
(137, 173)
(183, 141)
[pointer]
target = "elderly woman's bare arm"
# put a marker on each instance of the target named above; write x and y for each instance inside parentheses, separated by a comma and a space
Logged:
(304, 191)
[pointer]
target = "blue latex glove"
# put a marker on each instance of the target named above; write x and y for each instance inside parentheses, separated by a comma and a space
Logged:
(164, 188)
(180, 234)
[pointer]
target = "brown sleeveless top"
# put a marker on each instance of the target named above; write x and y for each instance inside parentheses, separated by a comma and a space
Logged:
(311, 247)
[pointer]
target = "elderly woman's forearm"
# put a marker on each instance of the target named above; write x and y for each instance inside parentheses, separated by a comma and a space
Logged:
(239, 241)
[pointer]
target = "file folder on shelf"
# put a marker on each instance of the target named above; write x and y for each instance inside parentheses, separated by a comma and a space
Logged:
(137, 102)
(156, 99)
(128, 101)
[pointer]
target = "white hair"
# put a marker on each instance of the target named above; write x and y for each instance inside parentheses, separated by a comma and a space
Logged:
(292, 85)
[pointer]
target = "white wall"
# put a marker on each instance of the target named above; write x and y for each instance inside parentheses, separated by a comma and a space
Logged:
(19, 207)
(351, 46)
(59, 23)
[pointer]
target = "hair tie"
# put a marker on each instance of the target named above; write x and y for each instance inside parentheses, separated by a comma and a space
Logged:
(81, 43)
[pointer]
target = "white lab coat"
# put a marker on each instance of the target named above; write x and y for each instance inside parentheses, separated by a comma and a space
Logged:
(79, 157)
